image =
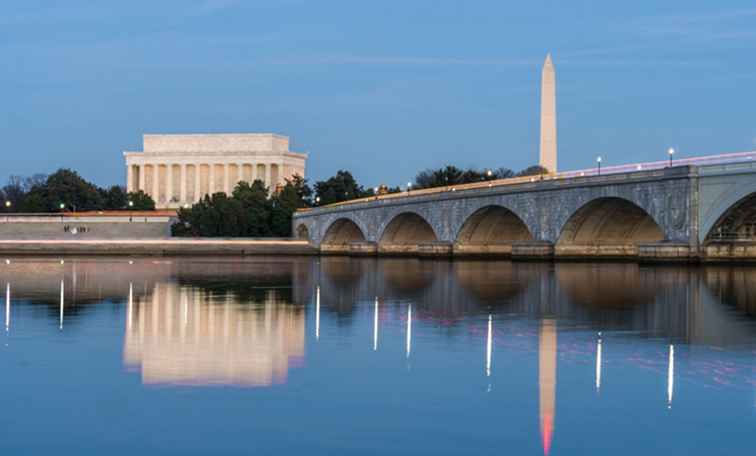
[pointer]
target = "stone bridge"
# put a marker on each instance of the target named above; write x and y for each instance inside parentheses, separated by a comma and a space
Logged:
(683, 212)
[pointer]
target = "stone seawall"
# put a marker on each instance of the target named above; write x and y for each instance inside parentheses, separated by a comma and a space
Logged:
(65, 227)
(157, 247)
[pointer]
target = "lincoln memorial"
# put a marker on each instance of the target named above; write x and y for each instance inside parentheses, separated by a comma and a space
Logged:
(180, 169)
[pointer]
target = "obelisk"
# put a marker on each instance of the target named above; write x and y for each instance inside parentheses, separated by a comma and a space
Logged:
(548, 158)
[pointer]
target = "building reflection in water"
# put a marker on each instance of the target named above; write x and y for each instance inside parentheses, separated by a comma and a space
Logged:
(547, 347)
(184, 335)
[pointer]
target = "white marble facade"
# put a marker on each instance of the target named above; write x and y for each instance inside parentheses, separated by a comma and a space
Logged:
(176, 170)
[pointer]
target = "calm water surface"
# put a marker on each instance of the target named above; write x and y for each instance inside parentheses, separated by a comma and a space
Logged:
(363, 356)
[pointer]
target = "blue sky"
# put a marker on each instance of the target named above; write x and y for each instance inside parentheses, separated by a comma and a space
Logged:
(383, 88)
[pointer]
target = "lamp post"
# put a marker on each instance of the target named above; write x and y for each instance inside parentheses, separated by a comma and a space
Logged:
(8, 204)
(409, 187)
(317, 200)
(62, 206)
(670, 152)
(489, 174)
(598, 161)
(130, 204)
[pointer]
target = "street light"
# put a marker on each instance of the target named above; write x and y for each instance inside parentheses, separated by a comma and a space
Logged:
(8, 204)
(62, 206)
(670, 152)
(489, 173)
(317, 200)
(409, 186)
(131, 204)
(598, 160)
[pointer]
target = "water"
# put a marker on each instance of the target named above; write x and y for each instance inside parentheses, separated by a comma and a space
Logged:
(364, 356)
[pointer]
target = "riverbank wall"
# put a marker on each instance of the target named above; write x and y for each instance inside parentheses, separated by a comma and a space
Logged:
(157, 247)
(526, 251)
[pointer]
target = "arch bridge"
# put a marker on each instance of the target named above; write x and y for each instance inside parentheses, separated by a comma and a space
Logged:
(678, 213)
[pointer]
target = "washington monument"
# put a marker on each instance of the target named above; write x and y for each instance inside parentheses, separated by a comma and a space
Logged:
(548, 158)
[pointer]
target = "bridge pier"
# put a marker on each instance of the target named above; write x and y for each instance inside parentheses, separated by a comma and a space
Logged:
(534, 250)
(729, 251)
(666, 252)
(492, 250)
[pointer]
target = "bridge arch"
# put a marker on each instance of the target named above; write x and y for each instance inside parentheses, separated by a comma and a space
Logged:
(490, 229)
(734, 218)
(404, 232)
(612, 223)
(341, 232)
(302, 232)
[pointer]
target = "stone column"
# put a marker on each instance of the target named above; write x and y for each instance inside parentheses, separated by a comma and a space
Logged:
(281, 173)
(169, 184)
(226, 179)
(182, 195)
(254, 172)
(156, 183)
(211, 179)
(129, 178)
(197, 182)
(141, 178)
(267, 177)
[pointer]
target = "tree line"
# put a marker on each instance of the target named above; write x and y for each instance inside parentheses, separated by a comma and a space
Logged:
(66, 190)
(251, 210)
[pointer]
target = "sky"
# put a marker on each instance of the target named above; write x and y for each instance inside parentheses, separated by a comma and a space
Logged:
(383, 89)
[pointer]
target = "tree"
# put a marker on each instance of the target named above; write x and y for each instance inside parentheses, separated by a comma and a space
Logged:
(503, 173)
(256, 206)
(534, 170)
(248, 212)
(17, 188)
(64, 187)
(341, 187)
(140, 201)
(283, 206)
(448, 175)
(115, 197)
(303, 191)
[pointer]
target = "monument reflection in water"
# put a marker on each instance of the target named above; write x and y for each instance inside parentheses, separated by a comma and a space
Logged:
(567, 355)
(185, 335)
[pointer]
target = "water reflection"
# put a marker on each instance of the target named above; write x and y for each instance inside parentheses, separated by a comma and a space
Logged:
(547, 374)
(671, 376)
(598, 363)
(607, 331)
(185, 335)
(7, 306)
(375, 326)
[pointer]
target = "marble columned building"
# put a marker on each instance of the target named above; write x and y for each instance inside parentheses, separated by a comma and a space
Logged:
(180, 169)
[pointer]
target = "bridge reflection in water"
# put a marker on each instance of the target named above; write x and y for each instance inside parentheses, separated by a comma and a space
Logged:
(248, 323)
